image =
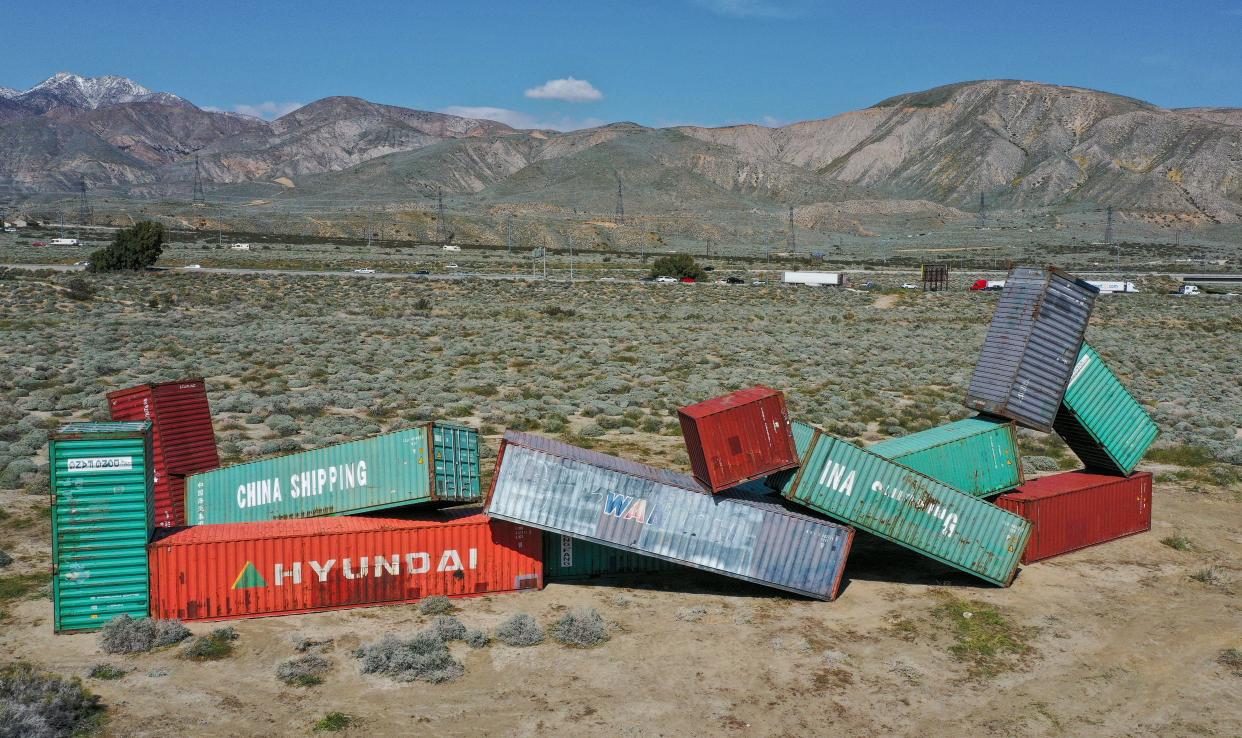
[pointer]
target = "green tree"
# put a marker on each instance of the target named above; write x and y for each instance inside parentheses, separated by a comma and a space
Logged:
(677, 265)
(132, 248)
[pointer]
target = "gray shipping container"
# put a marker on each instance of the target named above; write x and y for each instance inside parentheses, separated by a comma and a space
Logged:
(1031, 346)
(741, 533)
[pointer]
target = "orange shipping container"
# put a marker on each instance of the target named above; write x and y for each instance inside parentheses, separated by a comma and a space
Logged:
(239, 570)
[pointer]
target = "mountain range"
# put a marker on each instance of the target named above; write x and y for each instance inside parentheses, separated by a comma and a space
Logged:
(1019, 144)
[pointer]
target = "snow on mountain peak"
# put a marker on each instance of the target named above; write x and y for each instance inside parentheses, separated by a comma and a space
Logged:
(65, 88)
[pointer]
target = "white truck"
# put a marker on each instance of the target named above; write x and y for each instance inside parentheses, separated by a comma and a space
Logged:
(450, 247)
(814, 279)
(64, 242)
(1108, 288)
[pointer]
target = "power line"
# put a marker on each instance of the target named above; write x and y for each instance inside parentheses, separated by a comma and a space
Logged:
(199, 198)
(509, 233)
(983, 211)
(790, 244)
(619, 216)
(441, 231)
(84, 206)
(1108, 226)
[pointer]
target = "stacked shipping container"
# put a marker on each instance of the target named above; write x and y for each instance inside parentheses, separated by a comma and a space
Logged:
(1100, 421)
(1074, 510)
(978, 456)
(738, 437)
(182, 438)
(101, 522)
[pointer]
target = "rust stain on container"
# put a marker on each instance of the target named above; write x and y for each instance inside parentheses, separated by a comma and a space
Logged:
(738, 437)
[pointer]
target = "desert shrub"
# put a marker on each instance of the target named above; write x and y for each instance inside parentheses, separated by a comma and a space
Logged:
(520, 630)
(5, 559)
(424, 657)
(106, 671)
(304, 671)
(334, 722)
(476, 638)
(80, 289)
(1039, 463)
(436, 605)
(580, 628)
(448, 628)
(124, 634)
(216, 645)
(37, 704)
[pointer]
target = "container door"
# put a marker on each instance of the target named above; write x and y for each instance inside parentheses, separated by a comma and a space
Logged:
(456, 465)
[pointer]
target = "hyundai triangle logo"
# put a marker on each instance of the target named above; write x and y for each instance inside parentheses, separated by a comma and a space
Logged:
(249, 577)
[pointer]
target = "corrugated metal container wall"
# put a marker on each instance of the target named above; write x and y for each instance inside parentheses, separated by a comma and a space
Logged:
(1102, 423)
(804, 436)
(567, 558)
(101, 522)
(1075, 510)
(978, 456)
(897, 503)
(1031, 346)
(614, 502)
(376, 473)
(183, 440)
(240, 570)
(738, 437)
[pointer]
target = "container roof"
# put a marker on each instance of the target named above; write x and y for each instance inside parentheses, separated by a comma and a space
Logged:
(271, 529)
(728, 402)
(74, 429)
(1056, 484)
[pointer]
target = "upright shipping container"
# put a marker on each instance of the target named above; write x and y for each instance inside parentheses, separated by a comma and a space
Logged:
(738, 437)
(1031, 346)
(568, 558)
(978, 456)
(892, 501)
(614, 502)
(182, 437)
(1103, 424)
(1075, 510)
(431, 463)
(241, 570)
(101, 522)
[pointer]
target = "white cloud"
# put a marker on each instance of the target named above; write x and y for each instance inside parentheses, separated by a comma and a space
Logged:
(749, 8)
(265, 110)
(771, 121)
(518, 119)
(568, 89)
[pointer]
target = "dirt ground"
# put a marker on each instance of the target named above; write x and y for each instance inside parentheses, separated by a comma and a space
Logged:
(1116, 640)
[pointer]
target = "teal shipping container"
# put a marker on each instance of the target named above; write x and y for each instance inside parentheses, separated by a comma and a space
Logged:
(803, 434)
(102, 517)
(566, 558)
(978, 456)
(434, 463)
(901, 505)
(1100, 421)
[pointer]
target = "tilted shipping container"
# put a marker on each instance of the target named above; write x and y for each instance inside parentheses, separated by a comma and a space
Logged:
(738, 437)
(615, 502)
(1031, 346)
(1100, 421)
(804, 435)
(978, 456)
(568, 558)
(241, 570)
(882, 497)
(431, 463)
(101, 521)
(183, 441)
(1074, 510)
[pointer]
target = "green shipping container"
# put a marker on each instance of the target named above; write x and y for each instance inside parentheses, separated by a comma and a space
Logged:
(566, 558)
(895, 502)
(978, 456)
(102, 517)
(1100, 421)
(804, 434)
(437, 462)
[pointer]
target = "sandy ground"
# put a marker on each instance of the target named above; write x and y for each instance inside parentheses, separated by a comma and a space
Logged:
(1123, 643)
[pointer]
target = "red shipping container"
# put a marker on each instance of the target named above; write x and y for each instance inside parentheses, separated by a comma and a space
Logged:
(241, 570)
(182, 439)
(1074, 510)
(738, 437)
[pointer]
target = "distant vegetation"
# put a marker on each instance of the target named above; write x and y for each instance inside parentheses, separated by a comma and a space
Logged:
(677, 265)
(132, 249)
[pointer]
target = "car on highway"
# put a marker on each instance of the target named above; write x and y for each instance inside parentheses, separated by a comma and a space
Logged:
(10, 229)
(364, 271)
(192, 266)
(759, 281)
(422, 273)
(910, 286)
(450, 266)
(687, 280)
(81, 263)
(666, 280)
(608, 279)
(38, 244)
(734, 280)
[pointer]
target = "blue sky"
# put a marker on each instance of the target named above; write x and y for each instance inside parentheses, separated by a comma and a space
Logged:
(710, 62)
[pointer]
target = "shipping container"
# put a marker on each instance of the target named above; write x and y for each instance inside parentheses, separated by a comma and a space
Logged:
(738, 437)
(569, 558)
(101, 521)
(804, 435)
(1100, 421)
(182, 437)
(978, 456)
(894, 502)
(1031, 346)
(241, 570)
(385, 471)
(1074, 510)
(614, 502)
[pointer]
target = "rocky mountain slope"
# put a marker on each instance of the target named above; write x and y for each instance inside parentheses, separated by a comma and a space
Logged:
(1020, 144)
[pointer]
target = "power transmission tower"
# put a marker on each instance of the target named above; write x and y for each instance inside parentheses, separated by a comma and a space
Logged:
(983, 211)
(84, 207)
(790, 244)
(619, 217)
(1108, 226)
(441, 231)
(509, 233)
(369, 231)
(199, 198)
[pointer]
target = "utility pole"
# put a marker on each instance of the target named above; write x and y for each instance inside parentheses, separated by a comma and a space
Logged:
(790, 245)
(84, 207)
(571, 260)
(509, 233)
(368, 233)
(619, 216)
(199, 198)
(1108, 236)
(983, 211)
(545, 263)
(441, 231)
